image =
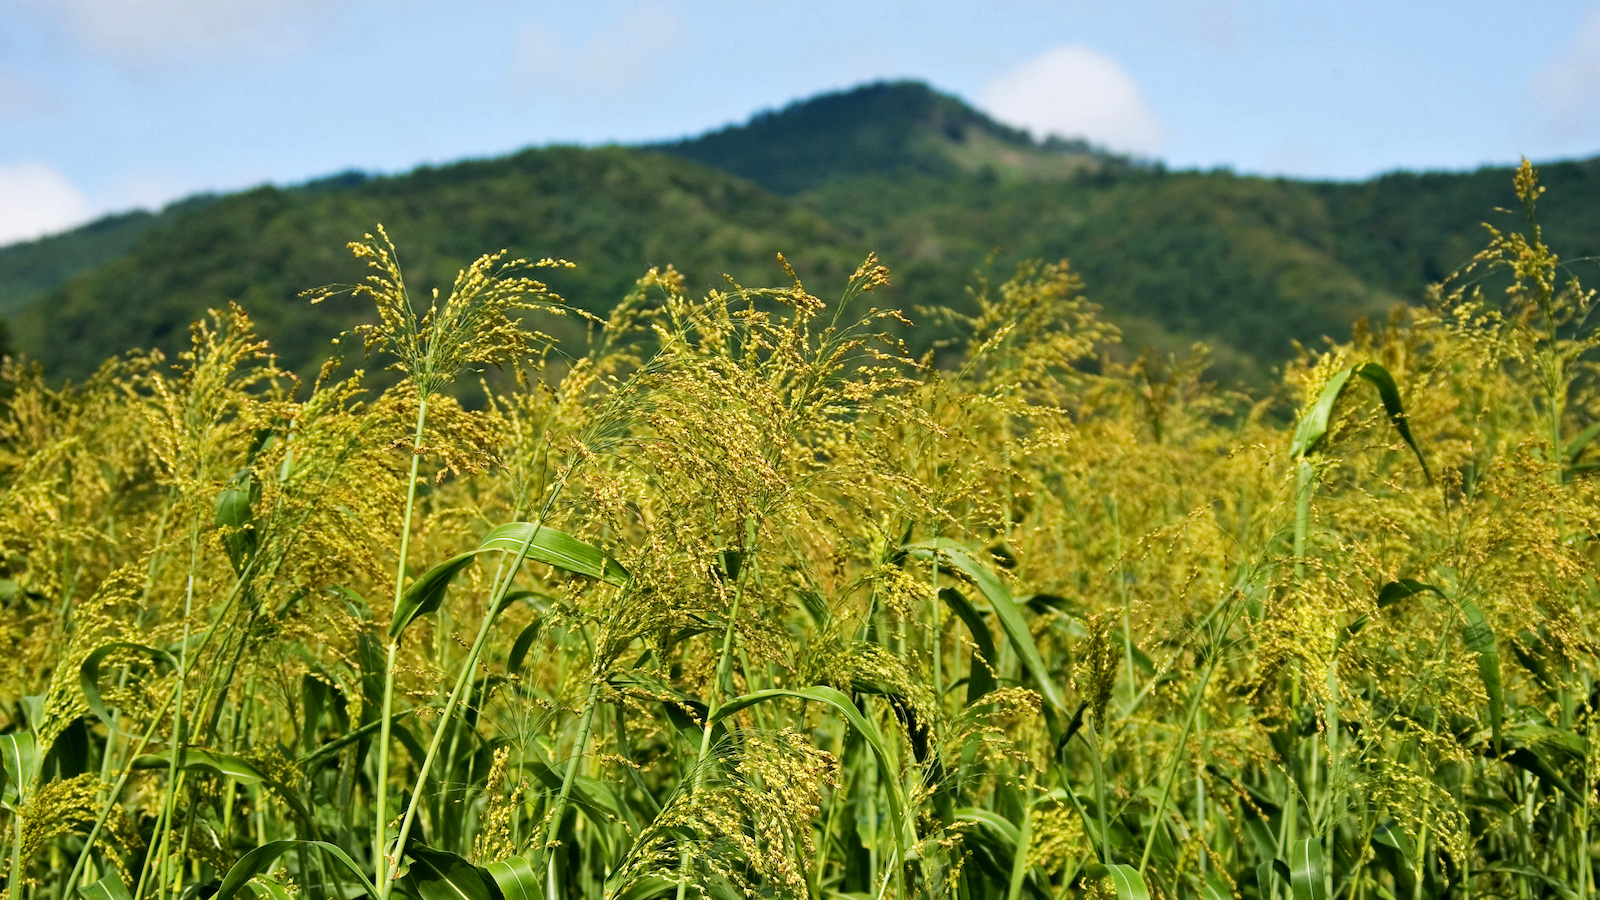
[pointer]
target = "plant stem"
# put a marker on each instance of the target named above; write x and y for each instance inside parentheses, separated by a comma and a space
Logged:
(380, 826)
(715, 700)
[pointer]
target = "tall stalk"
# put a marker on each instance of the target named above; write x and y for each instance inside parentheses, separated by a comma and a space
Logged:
(501, 587)
(380, 825)
(714, 702)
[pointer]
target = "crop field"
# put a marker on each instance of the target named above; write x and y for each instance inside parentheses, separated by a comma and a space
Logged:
(738, 599)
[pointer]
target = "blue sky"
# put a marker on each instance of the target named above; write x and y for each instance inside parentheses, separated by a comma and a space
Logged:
(114, 104)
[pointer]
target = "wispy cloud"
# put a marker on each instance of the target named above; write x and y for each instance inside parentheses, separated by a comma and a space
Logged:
(1074, 92)
(36, 200)
(155, 34)
(1566, 92)
(616, 56)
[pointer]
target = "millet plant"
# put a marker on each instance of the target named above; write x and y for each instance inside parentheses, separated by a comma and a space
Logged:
(741, 600)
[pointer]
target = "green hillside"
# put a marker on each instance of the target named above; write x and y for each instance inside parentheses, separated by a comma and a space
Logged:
(615, 211)
(939, 190)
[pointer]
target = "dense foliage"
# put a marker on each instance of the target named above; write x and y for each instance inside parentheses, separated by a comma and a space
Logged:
(732, 597)
(1248, 265)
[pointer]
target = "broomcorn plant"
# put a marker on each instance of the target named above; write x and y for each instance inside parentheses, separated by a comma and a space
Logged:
(739, 600)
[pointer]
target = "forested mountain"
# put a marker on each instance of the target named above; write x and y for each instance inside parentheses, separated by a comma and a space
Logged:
(938, 189)
(897, 129)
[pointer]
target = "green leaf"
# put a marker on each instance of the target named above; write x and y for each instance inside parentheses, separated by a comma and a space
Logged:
(267, 889)
(993, 820)
(1388, 835)
(1314, 424)
(1532, 761)
(1215, 888)
(1380, 378)
(260, 859)
(426, 593)
(195, 759)
(1264, 879)
(1480, 639)
(307, 760)
(594, 798)
(1005, 609)
(236, 518)
(89, 673)
(521, 646)
(1130, 884)
(315, 694)
(19, 755)
(107, 888)
(1307, 874)
(544, 544)
(647, 887)
(1476, 633)
(1395, 591)
(889, 774)
(516, 878)
(980, 678)
(1562, 890)
(1584, 439)
(556, 548)
(438, 875)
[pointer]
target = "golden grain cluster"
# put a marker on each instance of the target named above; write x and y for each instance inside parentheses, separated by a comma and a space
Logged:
(739, 600)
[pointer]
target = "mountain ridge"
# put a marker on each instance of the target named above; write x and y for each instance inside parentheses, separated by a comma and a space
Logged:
(1248, 265)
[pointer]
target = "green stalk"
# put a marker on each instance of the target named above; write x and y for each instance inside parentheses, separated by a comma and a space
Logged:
(502, 586)
(1122, 587)
(721, 676)
(1019, 860)
(1583, 822)
(1177, 755)
(1304, 476)
(1100, 793)
(560, 807)
(16, 849)
(380, 826)
(158, 862)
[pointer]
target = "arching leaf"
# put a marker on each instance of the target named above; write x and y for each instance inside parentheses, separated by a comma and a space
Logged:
(544, 544)
(1005, 609)
(195, 759)
(1129, 883)
(1314, 423)
(260, 859)
(1479, 638)
(89, 673)
(1307, 874)
(516, 878)
(1379, 377)
(868, 731)
(438, 875)
(107, 888)
(19, 755)
(980, 678)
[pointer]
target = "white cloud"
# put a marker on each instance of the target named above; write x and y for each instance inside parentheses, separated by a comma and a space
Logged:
(156, 33)
(1566, 92)
(1073, 92)
(36, 200)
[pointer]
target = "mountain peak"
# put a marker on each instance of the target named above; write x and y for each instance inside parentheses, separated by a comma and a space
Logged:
(882, 128)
